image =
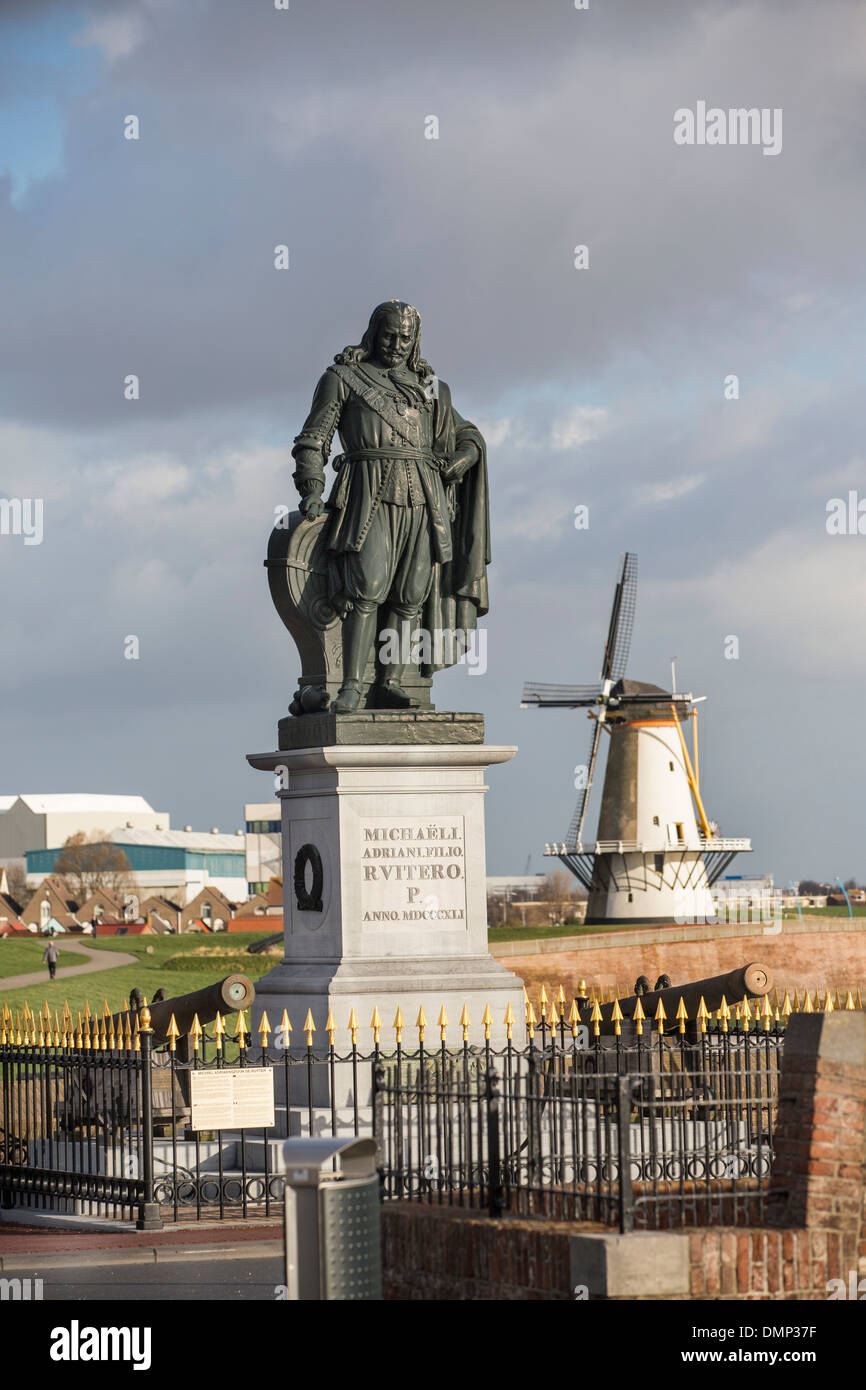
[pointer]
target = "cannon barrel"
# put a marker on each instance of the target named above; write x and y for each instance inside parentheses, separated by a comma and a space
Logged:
(227, 996)
(753, 981)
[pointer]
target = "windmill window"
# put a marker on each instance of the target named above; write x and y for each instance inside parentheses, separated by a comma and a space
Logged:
(671, 766)
(659, 863)
(655, 820)
(631, 897)
(680, 836)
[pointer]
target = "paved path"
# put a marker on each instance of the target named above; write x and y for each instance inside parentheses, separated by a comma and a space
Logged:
(95, 960)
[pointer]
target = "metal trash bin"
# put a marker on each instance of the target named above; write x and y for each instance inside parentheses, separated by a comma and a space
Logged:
(332, 1220)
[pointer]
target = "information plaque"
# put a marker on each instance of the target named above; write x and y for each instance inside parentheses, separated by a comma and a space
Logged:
(232, 1099)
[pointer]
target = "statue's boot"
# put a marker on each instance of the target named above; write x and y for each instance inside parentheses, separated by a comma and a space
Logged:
(389, 690)
(359, 629)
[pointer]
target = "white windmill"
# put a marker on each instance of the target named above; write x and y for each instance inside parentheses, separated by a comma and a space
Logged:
(656, 855)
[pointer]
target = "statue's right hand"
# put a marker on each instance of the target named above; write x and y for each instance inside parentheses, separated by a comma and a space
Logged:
(311, 506)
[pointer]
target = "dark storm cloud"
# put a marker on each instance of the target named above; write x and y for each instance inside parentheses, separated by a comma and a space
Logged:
(259, 127)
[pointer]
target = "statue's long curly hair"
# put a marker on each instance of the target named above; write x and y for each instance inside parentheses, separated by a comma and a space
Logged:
(363, 351)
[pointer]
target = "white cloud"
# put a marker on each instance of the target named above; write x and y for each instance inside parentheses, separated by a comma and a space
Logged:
(495, 432)
(672, 488)
(144, 482)
(118, 35)
(581, 425)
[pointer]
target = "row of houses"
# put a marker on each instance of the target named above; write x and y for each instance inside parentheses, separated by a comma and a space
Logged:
(51, 911)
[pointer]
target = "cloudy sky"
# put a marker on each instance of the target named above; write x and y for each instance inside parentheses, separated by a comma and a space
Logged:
(602, 387)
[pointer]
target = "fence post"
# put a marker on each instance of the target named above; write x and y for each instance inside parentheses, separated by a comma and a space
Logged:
(623, 1133)
(495, 1197)
(533, 1116)
(149, 1218)
(378, 1123)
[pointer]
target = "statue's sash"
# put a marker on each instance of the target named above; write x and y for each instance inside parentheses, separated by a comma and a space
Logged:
(378, 401)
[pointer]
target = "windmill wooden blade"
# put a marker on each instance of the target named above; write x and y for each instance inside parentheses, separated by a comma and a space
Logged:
(575, 830)
(619, 632)
(560, 696)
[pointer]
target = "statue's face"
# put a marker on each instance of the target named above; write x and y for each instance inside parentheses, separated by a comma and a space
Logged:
(394, 340)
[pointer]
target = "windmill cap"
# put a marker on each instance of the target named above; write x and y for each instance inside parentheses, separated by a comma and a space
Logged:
(627, 687)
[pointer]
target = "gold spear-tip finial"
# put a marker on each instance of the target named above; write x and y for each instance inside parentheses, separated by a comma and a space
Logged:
(196, 1031)
(397, 1025)
(375, 1024)
(638, 1017)
(595, 1018)
(660, 1017)
(787, 1008)
(807, 1005)
(309, 1027)
(531, 1021)
(219, 1029)
(353, 1027)
(330, 1027)
(702, 1016)
(172, 1033)
(487, 1020)
(509, 1021)
(285, 1029)
(574, 1018)
(849, 1000)
(442, 1022)
(616, 1017)
(264, 1030)
(464, 1022)
(421, 1023)
(241, 1031)
(828, 1003)
(724, 1014)
(682, 1013)
(542, 999)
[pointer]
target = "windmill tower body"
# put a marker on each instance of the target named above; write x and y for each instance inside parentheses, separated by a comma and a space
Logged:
(648, 862)
(655, 856)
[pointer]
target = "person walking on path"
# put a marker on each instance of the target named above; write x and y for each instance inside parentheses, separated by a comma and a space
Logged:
(51, 956)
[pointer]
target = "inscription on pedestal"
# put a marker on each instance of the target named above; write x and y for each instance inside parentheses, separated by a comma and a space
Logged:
(413, 869)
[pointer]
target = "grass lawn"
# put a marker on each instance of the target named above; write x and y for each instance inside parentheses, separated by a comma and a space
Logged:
(179, 963)
(859, 910)
(510, 932)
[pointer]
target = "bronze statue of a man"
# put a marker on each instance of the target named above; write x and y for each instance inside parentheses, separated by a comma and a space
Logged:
(408, 532)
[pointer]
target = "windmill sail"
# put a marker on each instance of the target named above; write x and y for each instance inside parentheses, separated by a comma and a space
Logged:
(575, 830)
(613, 666)
(619, 632)
(560, 696)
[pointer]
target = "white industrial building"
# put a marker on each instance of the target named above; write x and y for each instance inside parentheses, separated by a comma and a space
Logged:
(33, 821)
(175, 864)
(263, 843)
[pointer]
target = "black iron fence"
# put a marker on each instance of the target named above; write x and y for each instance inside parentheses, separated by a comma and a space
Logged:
(641, 1132)
(646, 1133)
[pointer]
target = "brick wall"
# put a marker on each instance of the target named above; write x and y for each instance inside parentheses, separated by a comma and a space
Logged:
(797, 959)
(443, 1253)
(750, 1264)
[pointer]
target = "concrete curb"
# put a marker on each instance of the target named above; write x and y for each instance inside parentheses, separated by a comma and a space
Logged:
(144, 1255)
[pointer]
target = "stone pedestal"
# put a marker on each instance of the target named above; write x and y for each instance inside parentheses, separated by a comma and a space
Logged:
(384, 890)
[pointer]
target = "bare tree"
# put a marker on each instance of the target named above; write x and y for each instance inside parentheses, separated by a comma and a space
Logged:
(560, 893)
(88, 866)
(16, 882)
